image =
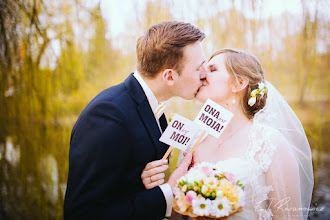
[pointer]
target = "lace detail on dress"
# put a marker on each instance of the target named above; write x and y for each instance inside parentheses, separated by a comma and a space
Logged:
(259, 154)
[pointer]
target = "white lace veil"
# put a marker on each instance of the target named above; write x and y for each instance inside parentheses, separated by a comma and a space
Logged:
(278, 114)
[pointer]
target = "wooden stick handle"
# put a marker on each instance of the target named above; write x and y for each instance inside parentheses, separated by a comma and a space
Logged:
(197, 142)
(169, 150)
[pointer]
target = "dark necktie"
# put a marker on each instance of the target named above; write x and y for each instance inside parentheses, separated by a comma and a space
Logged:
(163, 122)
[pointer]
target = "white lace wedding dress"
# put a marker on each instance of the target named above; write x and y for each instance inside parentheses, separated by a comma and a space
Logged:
(276, 164)
(251, 172)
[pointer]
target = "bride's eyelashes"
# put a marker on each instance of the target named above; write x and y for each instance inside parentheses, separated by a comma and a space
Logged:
(212, 68)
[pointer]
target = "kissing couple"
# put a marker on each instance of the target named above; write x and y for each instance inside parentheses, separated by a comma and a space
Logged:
(115, 165)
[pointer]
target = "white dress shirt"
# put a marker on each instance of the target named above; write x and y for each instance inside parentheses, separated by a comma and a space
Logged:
(157, 109)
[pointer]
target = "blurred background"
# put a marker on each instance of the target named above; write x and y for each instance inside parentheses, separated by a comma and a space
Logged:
(55, 56)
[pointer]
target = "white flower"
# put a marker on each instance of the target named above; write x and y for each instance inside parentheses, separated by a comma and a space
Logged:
(220, 207)
(254, 92)
(252, 101)
(241, 201)
(211, 182)
(261, 85)
(204, 189)
(177, 192)
(194, 174)
(201, 206)
(182, 179)
(219, 193)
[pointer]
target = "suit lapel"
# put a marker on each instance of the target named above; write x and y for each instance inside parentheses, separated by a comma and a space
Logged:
(149, 121)
(163, 125)
(145, 112)
(163, 122)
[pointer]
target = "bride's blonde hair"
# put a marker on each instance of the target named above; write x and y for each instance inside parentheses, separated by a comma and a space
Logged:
(246, 66)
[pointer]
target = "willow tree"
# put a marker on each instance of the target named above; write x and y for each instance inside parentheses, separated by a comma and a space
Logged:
(30, 119)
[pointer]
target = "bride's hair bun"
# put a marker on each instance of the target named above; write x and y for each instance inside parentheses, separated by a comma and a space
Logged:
(260, 103)
(243, 65)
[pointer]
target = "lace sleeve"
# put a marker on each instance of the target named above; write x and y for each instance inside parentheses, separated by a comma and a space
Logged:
(274, 175)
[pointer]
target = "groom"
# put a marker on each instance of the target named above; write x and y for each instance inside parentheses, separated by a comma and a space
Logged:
(118, 132)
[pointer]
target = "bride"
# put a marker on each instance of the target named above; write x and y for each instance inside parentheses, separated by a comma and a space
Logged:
(264, 144)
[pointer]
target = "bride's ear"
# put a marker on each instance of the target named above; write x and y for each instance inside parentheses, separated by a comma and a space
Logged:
(241, 85)
(169, 76)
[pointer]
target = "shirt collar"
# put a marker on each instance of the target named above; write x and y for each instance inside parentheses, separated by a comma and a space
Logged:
(157, 108)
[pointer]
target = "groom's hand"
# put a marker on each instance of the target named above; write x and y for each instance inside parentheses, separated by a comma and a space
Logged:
(181, 170)
(153, 174)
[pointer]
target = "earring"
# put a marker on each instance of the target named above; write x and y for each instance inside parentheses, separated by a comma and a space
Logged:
(234, 101)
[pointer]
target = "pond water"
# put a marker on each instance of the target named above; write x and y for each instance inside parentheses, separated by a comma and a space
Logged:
(33, 171)
(321, 194)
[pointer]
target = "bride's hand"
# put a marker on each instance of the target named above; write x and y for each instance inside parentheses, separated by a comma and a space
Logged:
(153, 174)
(195, 159)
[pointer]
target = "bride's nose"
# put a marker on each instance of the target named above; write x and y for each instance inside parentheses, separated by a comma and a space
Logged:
(203, 72)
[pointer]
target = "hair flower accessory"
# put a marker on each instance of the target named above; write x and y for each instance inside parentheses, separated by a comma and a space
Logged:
(261, 90)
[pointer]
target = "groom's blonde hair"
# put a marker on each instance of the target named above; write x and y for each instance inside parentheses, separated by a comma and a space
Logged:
(244, 65)
(161, 46)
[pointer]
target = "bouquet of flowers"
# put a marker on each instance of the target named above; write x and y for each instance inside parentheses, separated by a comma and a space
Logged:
(207, 192)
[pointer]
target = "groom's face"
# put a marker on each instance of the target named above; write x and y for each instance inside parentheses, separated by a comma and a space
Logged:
(193, 73)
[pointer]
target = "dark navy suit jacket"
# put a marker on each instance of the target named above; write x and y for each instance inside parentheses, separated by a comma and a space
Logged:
(113, 139)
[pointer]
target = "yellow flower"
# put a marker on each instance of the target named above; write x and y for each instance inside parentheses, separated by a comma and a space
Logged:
(219, 193)
(230, 191)
(204, 189)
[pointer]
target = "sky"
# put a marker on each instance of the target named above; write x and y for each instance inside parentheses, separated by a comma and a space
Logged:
(117, 12)
(122, 15)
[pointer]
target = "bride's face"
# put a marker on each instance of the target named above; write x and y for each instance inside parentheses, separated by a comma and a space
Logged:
(218, 84)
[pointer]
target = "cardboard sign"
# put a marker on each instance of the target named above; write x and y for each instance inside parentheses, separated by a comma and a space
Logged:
(180, 132)
(213, 118)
